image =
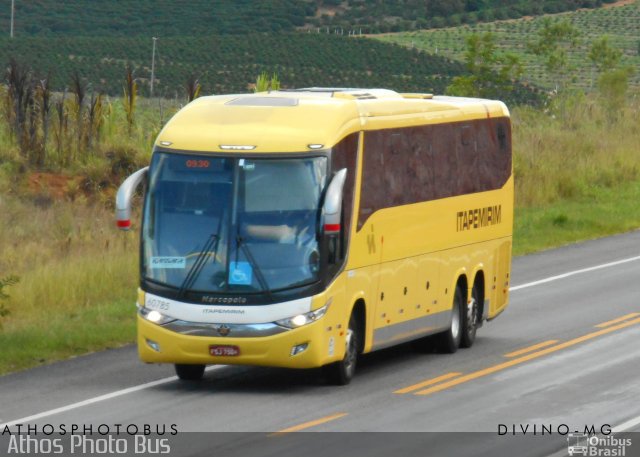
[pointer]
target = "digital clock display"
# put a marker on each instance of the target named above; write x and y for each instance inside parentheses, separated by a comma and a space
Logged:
(194, 163)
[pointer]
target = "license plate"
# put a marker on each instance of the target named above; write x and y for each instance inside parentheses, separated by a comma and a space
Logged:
(224, 351)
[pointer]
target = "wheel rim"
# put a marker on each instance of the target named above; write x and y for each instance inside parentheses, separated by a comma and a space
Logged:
(472, 315)
(455, 321)
(350, 352)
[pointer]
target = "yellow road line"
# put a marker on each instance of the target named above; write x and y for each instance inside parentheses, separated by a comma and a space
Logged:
(428, 382)
(313, 423)
(526, 358)
(531, 348)
(619, 319)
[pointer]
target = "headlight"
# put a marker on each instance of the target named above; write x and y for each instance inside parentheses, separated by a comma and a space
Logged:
(304, 319)
(155, 316)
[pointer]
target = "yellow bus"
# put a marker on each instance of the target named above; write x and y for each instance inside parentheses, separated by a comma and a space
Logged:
(303, 228)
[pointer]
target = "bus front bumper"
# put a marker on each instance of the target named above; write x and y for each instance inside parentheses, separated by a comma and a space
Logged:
(157, 344)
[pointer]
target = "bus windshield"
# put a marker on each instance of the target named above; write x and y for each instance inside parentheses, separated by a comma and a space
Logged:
(221, 224)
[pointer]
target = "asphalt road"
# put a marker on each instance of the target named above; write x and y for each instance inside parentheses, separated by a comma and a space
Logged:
(568, 372)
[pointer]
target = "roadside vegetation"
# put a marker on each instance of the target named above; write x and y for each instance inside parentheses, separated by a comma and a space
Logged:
(577, 171)
(77, 283)
(68, 277)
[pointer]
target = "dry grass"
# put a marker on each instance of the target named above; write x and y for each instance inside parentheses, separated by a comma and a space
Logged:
(67, 255)
(78, 273)
(78, 277)
(575, 149)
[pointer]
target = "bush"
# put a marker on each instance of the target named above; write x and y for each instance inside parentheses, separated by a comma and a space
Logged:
(4, 283)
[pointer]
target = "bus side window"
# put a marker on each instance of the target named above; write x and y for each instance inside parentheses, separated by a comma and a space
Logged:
(502, 137)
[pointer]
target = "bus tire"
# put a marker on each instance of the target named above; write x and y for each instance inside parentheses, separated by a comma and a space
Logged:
(189, 372)
(341, 373)
(449, 341)
(470, 319)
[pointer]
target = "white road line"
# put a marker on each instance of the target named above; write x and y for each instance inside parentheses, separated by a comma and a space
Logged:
(91, 401)
(627, 425)
(576, 272)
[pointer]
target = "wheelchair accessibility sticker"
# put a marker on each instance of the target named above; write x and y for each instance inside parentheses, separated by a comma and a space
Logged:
(240, 273)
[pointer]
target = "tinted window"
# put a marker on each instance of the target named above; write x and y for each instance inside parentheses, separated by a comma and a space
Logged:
(417, 164)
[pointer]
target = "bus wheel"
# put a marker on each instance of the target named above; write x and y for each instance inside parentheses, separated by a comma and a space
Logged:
(189, 372)
(449, 341)
(340, 373)
(470, 319)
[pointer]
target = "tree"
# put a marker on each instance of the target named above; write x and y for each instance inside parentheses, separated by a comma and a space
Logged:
(553, 43)
(613, 86)
(19, 81)
(94, 117)
(192, 88)
(6, 282)
(603, 56)
(491, 74)
(130, 97)
(44, 100)
(79, 89)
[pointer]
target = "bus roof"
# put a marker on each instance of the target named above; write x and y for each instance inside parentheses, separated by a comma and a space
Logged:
(292, 120)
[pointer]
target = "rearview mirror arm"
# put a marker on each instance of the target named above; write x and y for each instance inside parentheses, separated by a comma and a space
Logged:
(124, 196)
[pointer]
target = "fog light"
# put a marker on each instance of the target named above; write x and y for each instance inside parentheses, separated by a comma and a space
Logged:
(153, 345)
(299, 348)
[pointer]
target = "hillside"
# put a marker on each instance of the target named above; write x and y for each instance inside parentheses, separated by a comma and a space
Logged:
(391, 16)
(227, 64)
(620, 23)
(205, 17)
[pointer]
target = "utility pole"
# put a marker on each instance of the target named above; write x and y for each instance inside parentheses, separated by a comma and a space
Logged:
(13, 7)
(153, 63)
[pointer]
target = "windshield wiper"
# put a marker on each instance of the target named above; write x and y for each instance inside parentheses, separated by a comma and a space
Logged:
(198, 265)
(254, 264)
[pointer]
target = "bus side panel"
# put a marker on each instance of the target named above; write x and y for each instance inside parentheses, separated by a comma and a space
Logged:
(427, 285)
(502, 264)
(362, 284)
(394, 303)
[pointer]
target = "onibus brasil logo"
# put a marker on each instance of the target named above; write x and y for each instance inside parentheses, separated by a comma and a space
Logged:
(593, 445)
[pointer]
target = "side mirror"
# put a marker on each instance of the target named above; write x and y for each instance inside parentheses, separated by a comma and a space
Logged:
(124, 196)
(332, 208)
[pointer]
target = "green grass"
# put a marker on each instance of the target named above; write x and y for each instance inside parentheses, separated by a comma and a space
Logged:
(51, 337)
(621, 24)
(607, 211)
(78, 278)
